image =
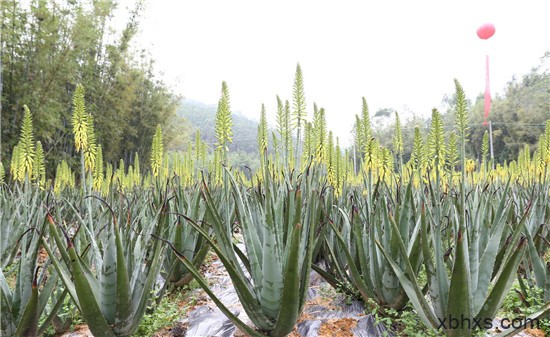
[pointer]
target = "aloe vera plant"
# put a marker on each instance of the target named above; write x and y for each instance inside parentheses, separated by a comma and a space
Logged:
(20, 208)
(471, 285)
(113, 296)
(278, 227)
(22, 306)
(184, 237)
(353, 255)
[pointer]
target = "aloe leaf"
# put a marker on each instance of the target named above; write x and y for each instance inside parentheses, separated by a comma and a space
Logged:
(89, 307)
(46, 292)
(123, 298)
(7, 321)
(51, 316)
(537, 262)
(272, 281)
(28, 324)
(411, 287)
(225, 247)
(435, 271)
(242, 287)
(250, 233)
(357, 278)
(503, 283)
(489, 255)
(291, 289)
(62, 272)
(108, 278)
(239, 323)
(312, 218)
(459, 290)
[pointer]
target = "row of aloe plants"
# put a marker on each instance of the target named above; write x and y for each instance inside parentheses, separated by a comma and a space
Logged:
(377, 233)
(106, 254)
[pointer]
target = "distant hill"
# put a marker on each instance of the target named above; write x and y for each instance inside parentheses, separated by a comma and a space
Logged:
(202, 116)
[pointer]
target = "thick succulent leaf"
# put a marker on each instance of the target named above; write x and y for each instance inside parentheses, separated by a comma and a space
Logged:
(459, 290)
(28, 324)
(484, 270)
(538, 264)
(107, 278)
(89, 306)
(242, 286)
(7, 322)
(412, 288)
(123, 299)
(63, 273)
(503, 283)
(437, 279)
(239, 323)
(291, 289)
(272, 281)
(357, 278)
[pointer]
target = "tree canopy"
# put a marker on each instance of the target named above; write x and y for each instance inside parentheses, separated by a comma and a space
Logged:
(49, 47)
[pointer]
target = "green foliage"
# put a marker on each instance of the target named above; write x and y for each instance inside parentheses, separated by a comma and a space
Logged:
(517, 305)
(50, 46)
(167, 311)
(112, 289)
(518, 116)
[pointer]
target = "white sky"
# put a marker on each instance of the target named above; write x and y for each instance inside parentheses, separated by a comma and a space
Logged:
(397, 54)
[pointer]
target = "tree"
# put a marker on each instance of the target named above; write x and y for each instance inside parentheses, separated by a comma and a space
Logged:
(48, 47)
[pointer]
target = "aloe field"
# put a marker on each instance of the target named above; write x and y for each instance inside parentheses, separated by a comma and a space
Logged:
(441, 236)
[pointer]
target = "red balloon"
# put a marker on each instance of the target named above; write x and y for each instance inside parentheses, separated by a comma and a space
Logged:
(486, 31)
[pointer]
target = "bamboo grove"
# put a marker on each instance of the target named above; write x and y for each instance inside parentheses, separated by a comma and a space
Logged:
(440, 233)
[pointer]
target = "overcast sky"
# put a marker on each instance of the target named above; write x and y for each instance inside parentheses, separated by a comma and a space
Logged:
(397, 54)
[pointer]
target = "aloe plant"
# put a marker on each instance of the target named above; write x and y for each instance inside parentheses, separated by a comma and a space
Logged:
(112, 294)
(354, 258)
(471, 285)
(184, 237)
(278, 228)
(23, 305)
(537, 269)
